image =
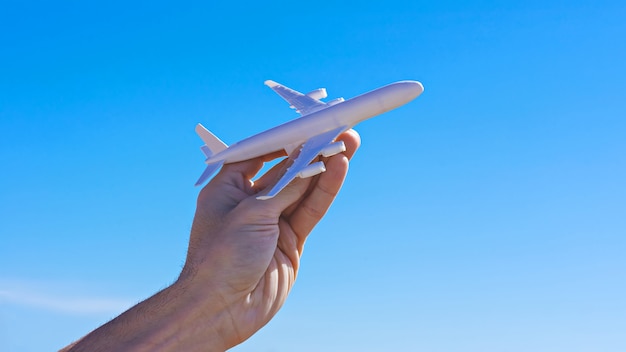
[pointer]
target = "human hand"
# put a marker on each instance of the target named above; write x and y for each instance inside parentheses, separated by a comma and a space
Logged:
(245, 253)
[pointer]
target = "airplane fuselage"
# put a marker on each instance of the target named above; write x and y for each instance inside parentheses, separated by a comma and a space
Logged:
(345, 114)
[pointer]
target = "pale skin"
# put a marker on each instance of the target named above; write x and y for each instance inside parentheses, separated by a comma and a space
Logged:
(243, 259)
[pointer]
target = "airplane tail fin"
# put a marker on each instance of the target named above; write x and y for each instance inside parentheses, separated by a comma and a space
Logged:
(213, 145)
(210, 169)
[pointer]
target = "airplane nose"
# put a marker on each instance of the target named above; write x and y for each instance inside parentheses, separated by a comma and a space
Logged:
(412, 88)
(391, 96)
(403, 92)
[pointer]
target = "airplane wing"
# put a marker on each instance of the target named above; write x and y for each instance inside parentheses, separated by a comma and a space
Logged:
(301, 158)
(301, 102)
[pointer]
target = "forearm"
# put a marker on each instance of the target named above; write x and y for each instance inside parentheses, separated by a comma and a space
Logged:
(171, 320)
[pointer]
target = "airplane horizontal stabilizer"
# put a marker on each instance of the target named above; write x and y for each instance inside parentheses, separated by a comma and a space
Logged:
(209, 171)
(206, 151)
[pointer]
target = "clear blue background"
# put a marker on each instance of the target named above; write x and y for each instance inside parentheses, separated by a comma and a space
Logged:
(487, 215)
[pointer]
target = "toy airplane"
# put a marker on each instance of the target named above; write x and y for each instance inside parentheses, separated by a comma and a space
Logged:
(309, 136)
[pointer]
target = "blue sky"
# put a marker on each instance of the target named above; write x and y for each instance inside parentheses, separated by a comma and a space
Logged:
(487, 215)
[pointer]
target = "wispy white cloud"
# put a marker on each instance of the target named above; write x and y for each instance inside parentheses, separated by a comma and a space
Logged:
(46, 296)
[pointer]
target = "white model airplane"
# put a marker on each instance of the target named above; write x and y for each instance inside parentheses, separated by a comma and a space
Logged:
(309, 136)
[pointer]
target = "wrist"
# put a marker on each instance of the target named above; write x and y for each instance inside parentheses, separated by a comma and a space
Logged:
(171, 320)
(188, 320)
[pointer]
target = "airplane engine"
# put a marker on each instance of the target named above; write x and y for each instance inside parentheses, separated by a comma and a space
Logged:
(312, 170)
(333, 149)
(317, 94)
(335, 101)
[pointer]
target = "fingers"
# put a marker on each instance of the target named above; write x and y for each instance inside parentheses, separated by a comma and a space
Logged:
(249, 168)
(305, 201)
(309, 212)
(352, 140)
(237, 175)
(312, 208)
(271, 176)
